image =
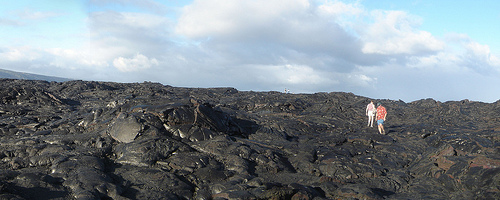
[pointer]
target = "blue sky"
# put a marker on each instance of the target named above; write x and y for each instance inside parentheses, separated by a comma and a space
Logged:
(408, 50)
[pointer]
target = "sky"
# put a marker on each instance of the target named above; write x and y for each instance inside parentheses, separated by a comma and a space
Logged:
(446, 50)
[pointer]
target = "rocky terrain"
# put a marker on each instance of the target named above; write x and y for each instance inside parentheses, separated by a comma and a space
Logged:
(103, 140)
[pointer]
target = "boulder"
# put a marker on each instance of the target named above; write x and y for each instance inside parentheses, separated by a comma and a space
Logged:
(125, 128)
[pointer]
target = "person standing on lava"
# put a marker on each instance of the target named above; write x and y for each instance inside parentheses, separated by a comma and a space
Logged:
(381, 115)
(370, 112)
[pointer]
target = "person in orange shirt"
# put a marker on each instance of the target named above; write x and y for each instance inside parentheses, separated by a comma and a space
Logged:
(381, 115)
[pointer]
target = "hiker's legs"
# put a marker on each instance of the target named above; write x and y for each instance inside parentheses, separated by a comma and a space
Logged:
(380, 123)
(381, 129)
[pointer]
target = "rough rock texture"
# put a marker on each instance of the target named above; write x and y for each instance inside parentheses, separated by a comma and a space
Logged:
(100, 140)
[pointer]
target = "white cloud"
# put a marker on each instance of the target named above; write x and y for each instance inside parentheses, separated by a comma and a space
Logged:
(150, 5)
(291, 24)
(72, 58)
(362, 80)
(394, 32)
(26, 16)
(495, 61)
(248, 33)
(139, 62)
(113, 34)
(111, 20)
(481, 53)
(346, 15)
(338, 8)
(219, 17)
(293, 74)
(29, 14)
(23, 53)
(60, 62)
(9, 22)
(12, 55)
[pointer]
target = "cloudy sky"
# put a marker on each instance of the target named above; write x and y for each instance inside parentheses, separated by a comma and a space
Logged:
(384, 49)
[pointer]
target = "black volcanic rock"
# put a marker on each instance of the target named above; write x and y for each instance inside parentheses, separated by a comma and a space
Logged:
(104, 140)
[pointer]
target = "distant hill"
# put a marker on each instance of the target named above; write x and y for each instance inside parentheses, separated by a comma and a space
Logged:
(21, 75)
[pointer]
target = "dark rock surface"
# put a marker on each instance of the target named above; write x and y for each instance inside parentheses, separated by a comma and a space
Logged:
(101, 140)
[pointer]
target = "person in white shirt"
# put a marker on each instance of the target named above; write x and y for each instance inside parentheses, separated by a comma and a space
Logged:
(370, 112)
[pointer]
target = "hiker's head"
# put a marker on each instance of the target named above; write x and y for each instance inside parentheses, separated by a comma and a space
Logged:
(379, 104)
